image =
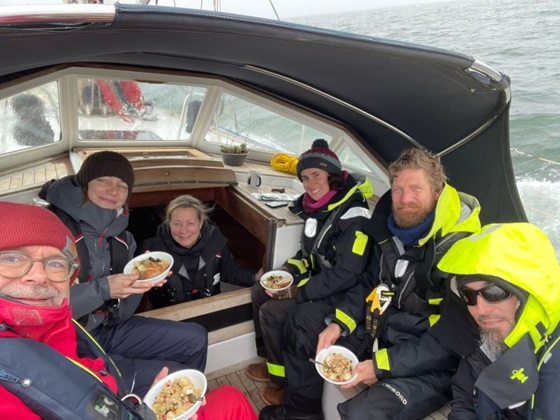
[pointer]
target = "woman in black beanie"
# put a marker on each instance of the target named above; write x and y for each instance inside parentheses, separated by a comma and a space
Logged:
(333, 253)
(92, 204)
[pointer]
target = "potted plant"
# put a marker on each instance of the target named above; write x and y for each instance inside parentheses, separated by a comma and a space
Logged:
(234, 154)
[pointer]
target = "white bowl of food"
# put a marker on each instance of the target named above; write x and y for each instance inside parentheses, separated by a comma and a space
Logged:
(338, 365)
(153, 267)
(178, 395)
(276, 281)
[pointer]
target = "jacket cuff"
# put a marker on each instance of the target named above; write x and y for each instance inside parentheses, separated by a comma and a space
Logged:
(104, 288)
(381, 364)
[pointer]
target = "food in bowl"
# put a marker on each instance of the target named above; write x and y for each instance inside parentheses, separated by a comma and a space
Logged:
(175, 398)
(338, 368)
(277, 281)
(199, 384)
(341, 369)
(150, 267)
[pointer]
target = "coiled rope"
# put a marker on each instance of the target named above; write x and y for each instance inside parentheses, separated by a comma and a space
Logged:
(284, 163)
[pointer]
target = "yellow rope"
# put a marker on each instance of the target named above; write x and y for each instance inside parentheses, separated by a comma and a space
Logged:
(284, 163)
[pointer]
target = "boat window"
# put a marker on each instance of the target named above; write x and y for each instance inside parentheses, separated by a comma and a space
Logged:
(351, 160)
(130, 110)
(30, 119)
(237, 121)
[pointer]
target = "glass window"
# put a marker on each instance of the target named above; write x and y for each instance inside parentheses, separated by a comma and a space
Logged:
(239, 121)
(350, 159)
(30, 119)
(130, 110)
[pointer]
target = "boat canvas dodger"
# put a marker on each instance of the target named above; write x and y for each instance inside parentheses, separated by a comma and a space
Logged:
(389, 95)
(168, 87)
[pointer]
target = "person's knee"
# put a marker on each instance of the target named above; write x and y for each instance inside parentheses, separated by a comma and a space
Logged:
(269, 312)
(202, 333)
(378, 402)
(190, 333)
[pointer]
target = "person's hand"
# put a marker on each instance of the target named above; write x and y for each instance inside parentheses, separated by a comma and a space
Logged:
(329, 336)
(289, 293)
(259, 274)
(123, 285)
(366, 374)
(162, 374)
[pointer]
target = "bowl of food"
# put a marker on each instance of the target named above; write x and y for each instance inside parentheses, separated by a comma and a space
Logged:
(177, 396)
(336, 364)
(153, 267)
(276, 281)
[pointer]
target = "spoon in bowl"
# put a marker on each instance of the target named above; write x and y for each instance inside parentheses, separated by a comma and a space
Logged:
(319, 363)
(193, 398)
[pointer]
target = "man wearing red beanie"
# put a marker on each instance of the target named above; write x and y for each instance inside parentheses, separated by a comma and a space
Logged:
(37, 319)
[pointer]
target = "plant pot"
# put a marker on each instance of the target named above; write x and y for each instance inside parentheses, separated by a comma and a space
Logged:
(234, 159)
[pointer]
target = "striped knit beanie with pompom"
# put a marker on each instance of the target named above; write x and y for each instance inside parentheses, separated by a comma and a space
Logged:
(321, 157)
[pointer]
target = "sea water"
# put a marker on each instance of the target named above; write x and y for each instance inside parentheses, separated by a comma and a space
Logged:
(518, 38)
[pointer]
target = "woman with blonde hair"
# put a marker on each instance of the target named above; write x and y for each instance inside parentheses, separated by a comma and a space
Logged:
(202, 257)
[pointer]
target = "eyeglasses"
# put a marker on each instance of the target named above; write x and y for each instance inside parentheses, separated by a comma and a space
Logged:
(15, 264)
(490, 294)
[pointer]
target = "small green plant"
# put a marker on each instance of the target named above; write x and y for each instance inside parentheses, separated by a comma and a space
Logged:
(240, 148)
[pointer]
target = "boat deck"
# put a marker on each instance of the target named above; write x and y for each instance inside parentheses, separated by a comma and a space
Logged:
(235, 376)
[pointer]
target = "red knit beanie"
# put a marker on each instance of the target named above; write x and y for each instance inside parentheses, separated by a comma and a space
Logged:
(26, 225)
(321, 157)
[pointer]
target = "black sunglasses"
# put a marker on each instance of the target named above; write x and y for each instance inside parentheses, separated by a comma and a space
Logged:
(490, 294)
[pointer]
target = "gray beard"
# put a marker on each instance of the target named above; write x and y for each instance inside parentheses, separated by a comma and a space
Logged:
(491, 345)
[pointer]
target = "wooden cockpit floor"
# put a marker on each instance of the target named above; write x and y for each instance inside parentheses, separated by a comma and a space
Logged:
(236, 376)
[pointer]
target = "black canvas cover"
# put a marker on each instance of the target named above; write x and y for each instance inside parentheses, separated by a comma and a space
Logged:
(391, 95)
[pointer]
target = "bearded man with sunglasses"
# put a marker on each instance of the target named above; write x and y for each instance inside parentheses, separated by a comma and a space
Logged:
(509, 278)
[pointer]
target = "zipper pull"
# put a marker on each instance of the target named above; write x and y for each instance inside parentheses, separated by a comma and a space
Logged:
(5, 376)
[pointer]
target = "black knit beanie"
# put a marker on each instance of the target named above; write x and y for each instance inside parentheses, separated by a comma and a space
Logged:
(106, 163)
(321, 157)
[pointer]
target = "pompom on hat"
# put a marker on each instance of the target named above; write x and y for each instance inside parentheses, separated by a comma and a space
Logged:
(106, 163)
(27, 225)
(321, 157)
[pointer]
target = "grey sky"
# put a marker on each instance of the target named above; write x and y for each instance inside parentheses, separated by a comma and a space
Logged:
(292, 8)
(262, 8)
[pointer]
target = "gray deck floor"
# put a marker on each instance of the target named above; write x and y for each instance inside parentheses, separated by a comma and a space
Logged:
(236, 376)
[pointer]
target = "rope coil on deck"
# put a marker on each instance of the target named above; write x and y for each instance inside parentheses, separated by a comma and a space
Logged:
(284, 163)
